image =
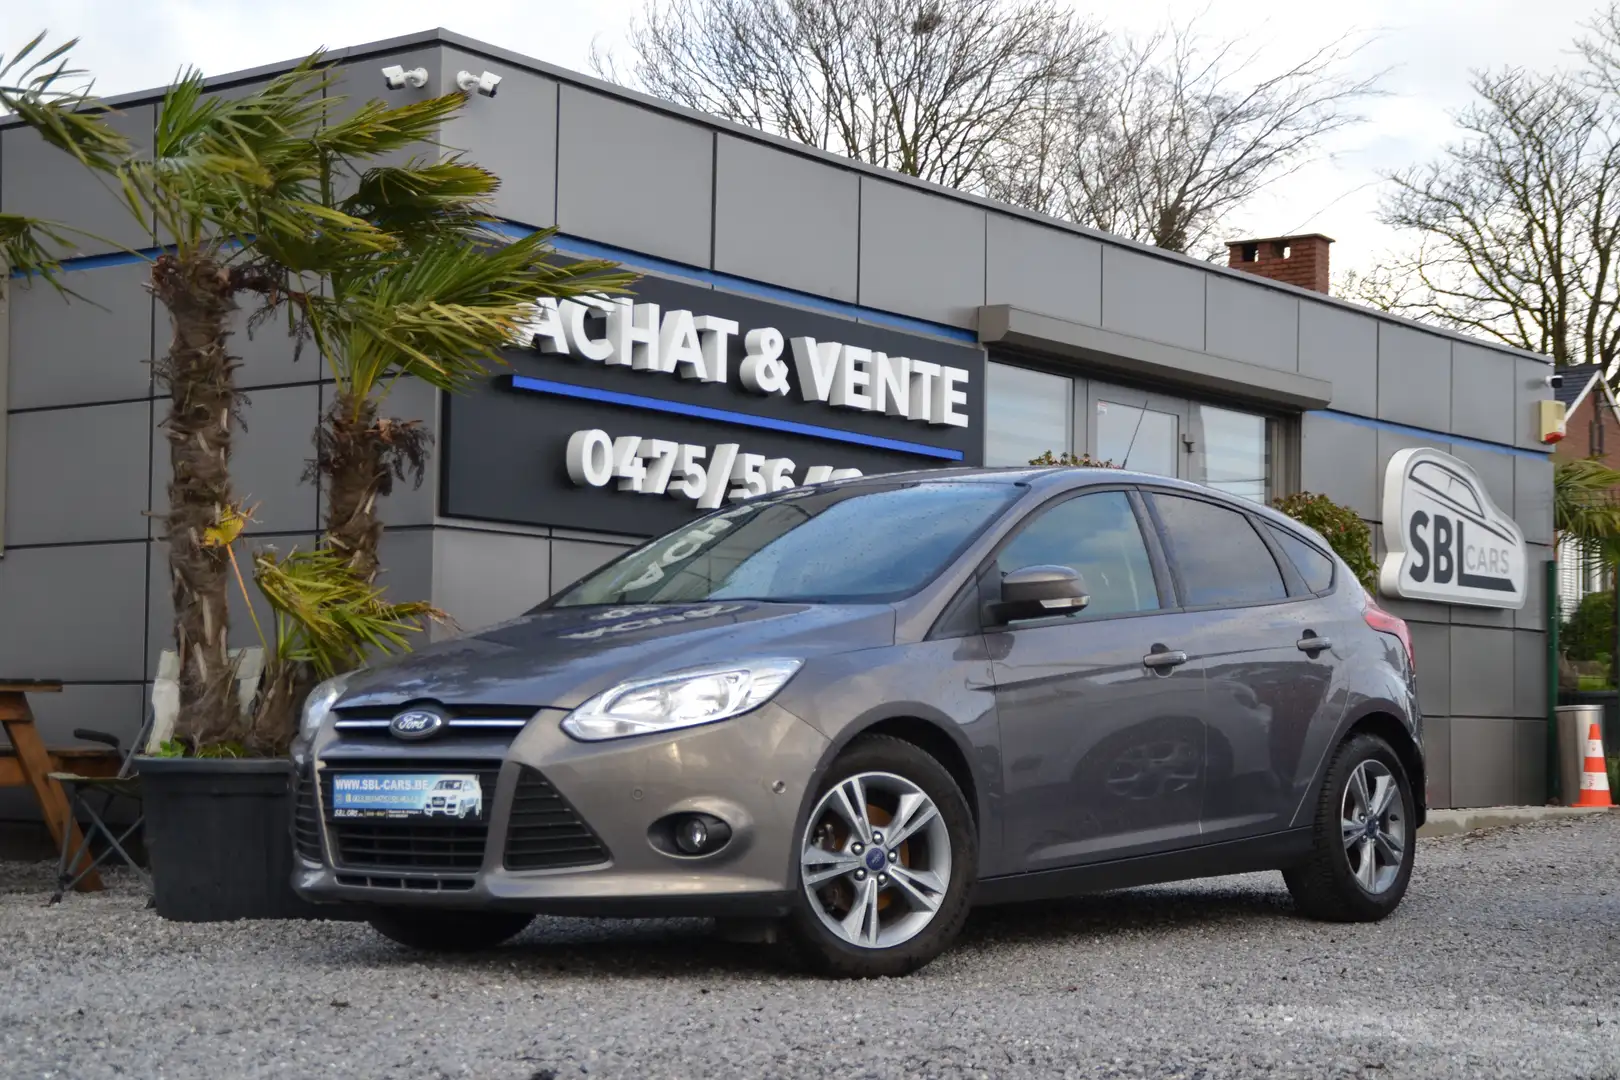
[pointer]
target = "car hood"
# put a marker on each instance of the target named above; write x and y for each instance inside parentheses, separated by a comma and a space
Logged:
(563, 656)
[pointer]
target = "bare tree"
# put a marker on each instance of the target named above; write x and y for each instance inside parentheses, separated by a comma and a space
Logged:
(1173, 132)
(1515, 227)
(929, 88)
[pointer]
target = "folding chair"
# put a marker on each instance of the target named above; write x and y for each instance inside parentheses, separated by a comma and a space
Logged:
(157, 729)
(82, 791)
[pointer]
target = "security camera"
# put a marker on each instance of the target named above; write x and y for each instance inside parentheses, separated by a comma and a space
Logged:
(397, 78)
(1554, 381)
(485, 84)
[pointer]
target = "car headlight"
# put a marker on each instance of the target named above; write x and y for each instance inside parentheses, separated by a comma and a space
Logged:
(318, 706)
(683, 699)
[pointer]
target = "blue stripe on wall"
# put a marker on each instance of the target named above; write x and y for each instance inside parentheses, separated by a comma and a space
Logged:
(1425, 433)
(726, 416)
(589, 249)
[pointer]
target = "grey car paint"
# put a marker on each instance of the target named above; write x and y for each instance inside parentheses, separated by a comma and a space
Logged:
(985, 698)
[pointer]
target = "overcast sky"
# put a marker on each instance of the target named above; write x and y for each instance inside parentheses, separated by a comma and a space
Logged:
(1429, 45)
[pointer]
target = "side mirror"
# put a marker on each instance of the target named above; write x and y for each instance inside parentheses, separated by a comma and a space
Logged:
(1038, 591)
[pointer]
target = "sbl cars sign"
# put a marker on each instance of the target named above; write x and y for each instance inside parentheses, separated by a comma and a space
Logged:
(1447, 541)
(635, 414)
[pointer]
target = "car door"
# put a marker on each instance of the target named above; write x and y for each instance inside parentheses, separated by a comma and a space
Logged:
(1267, 664)
(1100, 714)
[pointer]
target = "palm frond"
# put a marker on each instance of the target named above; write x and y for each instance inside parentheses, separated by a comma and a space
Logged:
(377, 128)
(1586, 503)
(41, 93)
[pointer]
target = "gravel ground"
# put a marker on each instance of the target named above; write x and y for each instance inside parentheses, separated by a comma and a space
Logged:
(1503, 961)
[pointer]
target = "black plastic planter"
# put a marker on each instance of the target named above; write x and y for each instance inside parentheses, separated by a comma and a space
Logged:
(219, 840)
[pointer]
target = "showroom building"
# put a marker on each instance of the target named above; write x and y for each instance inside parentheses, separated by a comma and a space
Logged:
(800, 315)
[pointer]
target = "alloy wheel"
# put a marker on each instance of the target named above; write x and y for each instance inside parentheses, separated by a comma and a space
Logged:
(875, 860)
(1372, 821)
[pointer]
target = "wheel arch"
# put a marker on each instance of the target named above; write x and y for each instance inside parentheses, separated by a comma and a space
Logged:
(1382, 720)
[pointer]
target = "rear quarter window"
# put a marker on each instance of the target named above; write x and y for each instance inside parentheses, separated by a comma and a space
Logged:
(1314, 566)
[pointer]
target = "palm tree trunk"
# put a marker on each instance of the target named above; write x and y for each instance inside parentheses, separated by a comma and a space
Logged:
(199, 376)
(352, 454)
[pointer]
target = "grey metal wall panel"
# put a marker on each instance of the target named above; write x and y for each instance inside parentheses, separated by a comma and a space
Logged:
(1482, 393)
(407, 559)
(514, 135)
(412, 504)
(921, 255)
(1341, 347)
(78, 350)
(1533, 616)
(1530, 675)
(1041, 269)
(634, 177)
(117, 709)
(1414, 377)
(1482, 769)
(1529, 387)
(266, 351)
(484, 578)
(1431, 646)
(1530, 762)
(573, 559)
(270, 448)
(361, 81)
(1253, 323)
(1481, 671)
(1437, 760)
(77, 475)
(1153, 298)
(38, 180)
(789, 220)
(84, 605)
(1340, 460)
(1533, 497)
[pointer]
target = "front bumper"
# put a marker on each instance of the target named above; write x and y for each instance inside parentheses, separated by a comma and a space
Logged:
(752, 772)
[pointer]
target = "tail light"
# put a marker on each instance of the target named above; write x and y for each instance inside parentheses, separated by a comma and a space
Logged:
(1385, 623)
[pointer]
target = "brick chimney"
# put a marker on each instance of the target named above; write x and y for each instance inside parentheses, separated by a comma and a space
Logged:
(1297, 260)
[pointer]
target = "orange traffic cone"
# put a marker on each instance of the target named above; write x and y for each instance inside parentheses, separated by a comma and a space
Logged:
(1594, 774)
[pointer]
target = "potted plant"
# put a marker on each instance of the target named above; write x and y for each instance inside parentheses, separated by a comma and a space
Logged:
(246, 193)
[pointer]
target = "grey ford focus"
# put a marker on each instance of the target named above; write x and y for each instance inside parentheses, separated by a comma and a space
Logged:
(843, 714)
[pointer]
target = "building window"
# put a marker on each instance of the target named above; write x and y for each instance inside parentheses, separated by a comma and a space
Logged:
(1143, 440)
(1232, 452)
(1027, 413)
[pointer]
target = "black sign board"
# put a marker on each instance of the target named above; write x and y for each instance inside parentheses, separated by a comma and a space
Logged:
(559, 439)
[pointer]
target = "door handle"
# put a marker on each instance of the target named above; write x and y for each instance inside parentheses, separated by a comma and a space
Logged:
(1312, 643)
(1164, 660)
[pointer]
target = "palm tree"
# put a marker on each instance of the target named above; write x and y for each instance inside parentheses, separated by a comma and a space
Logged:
(241, 193)
(1586, 505)
(437, 306)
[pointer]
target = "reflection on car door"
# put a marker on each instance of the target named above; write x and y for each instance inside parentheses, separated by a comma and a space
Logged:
(1265, 685)
(1102, 728)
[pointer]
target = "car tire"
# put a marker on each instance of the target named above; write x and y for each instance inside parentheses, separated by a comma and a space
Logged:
(812, 941)
(1333, 884)
(448, 931)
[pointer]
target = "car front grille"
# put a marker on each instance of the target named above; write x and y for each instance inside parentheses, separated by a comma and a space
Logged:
(306, 817)
(544, 832)
(431, 846)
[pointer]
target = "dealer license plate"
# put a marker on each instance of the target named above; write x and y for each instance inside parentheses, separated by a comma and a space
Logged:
(447, 797)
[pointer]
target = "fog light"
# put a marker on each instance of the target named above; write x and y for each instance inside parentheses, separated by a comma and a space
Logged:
(692, 837)
(690, 834)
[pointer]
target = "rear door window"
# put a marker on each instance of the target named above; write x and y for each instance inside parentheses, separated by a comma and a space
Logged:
(1313, 566)
(1217, 555)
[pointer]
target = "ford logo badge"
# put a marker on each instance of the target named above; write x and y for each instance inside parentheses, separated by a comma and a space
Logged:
(417, 724)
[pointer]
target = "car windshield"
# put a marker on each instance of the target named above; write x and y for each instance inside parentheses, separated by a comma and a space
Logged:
(863, 542)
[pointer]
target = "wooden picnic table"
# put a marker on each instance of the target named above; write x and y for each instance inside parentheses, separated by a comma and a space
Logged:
(30, 764)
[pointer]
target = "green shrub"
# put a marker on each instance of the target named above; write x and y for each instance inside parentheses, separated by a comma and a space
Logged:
(1341, 527)
(1083, 461)
(1588, 633)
